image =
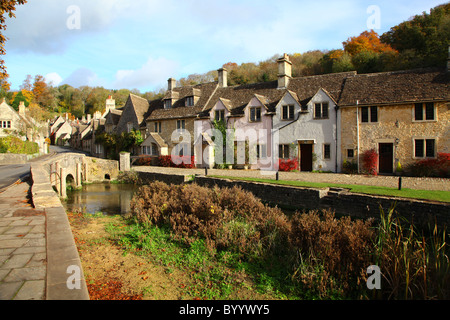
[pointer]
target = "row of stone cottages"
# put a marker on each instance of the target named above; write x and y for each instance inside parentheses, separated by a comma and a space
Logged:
(321, 120)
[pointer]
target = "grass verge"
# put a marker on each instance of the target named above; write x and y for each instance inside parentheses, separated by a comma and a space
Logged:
(433, 195)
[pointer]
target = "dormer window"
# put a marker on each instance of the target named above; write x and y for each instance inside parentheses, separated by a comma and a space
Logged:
(287, 112)
(189, 101)
(255, 114)
(219, 115)
(167, 104)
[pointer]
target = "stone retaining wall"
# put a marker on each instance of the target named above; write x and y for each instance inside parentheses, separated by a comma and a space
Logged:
(341, 201)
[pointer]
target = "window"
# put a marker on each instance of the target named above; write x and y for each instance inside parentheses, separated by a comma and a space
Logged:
(219, 115)
(287, 112)
(350, 153)
(424, 111)
(189, 101)
(327, 151)
(424, 148)
(261, 151)
(130, 127)
(283, 151)
(369, 114)
(167, 104)
(321, 110)
(255, 114)
(181, 125)
(157, 127)
(98, 148)
(154, 149)
(5, 124)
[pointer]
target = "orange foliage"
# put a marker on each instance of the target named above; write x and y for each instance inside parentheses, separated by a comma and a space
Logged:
(366, 41)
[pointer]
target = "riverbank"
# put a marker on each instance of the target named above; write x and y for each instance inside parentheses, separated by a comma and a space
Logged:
(115, 270)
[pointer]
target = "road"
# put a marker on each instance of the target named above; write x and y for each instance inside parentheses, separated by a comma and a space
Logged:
(9, 174)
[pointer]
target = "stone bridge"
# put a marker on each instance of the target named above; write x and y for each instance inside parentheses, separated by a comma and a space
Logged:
(74, 169)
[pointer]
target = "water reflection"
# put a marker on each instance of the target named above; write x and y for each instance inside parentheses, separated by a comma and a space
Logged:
(110, 199)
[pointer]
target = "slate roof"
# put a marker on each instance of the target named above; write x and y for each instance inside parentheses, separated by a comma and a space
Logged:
(303, 89)
(178, 109)
(136, 109)
(396, 87)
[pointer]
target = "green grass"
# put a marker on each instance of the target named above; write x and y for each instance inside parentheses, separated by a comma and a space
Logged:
(442, 196)
(212, 274)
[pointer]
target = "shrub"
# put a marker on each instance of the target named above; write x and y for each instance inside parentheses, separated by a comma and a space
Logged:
(370, 161)
(439, 167)
(16, 145)
(177, 161)
(350, 167)
(226, 218)
(338, 248)
(288, 164)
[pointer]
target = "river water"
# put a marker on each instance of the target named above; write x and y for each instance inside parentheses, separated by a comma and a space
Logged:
(109, 199)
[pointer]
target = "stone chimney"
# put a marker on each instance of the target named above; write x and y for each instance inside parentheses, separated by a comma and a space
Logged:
(223, 77)
(89, 117)
(110, 104)
(22, 108)
(284, 71)
(172, 84)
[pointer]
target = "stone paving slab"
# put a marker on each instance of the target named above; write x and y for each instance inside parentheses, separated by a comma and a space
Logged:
(23, 252)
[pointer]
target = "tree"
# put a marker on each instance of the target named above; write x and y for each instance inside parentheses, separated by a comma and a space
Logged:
(23, 95)
(7, 7)
(366, 41)
(423, 40)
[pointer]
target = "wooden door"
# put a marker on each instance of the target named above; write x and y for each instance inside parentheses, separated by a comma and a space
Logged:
(386, 157)
(306, 157)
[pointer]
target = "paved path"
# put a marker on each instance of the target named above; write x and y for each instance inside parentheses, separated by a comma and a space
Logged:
(385, 181)
(23, 255)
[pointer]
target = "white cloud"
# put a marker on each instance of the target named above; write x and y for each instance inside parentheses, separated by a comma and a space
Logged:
(81, 77)
(154, 72)
(53, 78)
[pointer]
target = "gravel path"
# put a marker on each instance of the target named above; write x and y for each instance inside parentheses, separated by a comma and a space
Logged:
(384, 181)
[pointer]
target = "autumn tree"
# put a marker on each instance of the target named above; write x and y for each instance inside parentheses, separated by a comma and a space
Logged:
(7, 8)
(23, 95)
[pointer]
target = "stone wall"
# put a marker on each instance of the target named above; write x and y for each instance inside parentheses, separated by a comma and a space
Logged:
(99, 169)
(395, 125)
(340, 200)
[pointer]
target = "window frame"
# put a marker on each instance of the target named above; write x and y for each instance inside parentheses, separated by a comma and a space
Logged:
(321, 115)
(424, 112)
(324, 150)
(189, 102)
(181, 124)
(258, 110)
(425, 145)
(282, 149)
(289, 111)
(368, 114)
(219, 115)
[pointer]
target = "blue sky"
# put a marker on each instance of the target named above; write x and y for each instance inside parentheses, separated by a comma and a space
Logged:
(139, 44)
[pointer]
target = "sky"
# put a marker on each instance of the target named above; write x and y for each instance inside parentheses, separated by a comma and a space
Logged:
(139, 44)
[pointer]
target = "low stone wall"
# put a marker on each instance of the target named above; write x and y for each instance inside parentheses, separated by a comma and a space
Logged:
(13, 158)
(148, 177)
(62, 252)
(340, 201)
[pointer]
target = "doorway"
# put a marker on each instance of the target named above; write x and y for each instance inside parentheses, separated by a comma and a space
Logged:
(386, 157)
(306, 157)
